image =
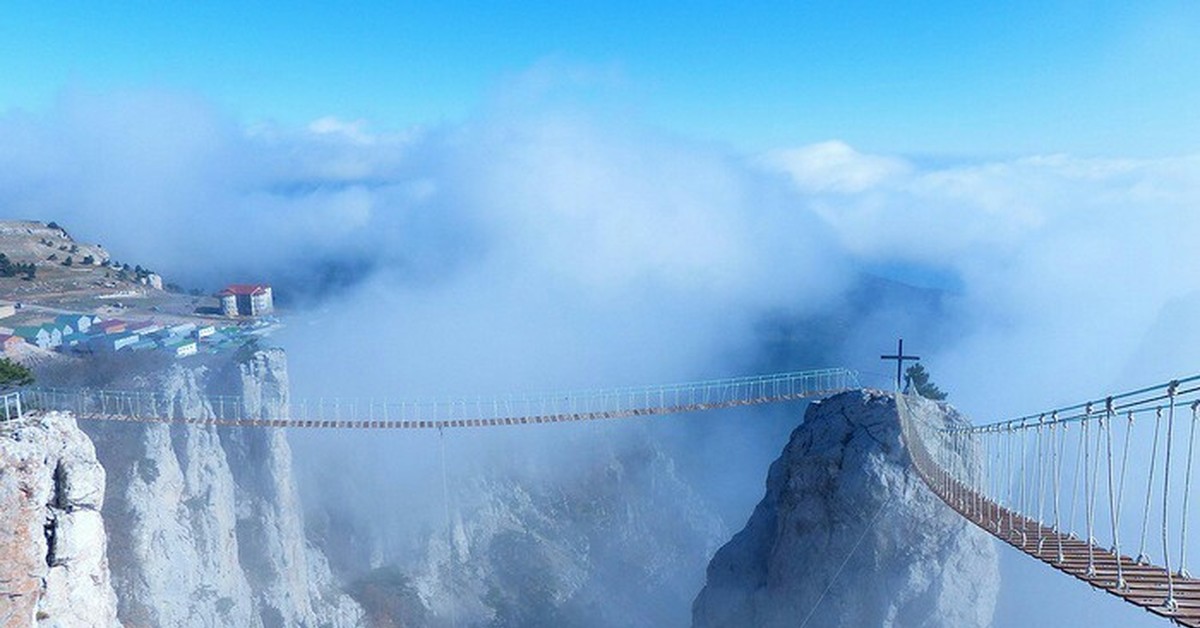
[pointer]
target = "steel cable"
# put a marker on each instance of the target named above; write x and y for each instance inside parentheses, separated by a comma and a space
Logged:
(1143, 558)
(1170, 603)
(1187, 492)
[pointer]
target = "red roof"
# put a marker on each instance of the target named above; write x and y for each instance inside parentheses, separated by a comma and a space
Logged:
(245, 289)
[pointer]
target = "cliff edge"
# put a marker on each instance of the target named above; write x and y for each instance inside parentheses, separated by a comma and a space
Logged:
(53, 560)
(206, 526)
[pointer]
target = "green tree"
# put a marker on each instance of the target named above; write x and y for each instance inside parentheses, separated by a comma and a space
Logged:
(13, 374)
(916, 378)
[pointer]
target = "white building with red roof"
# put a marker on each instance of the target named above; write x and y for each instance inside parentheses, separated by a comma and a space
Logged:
(246, 300)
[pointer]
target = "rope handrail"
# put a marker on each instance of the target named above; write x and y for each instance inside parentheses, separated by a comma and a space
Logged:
(460, 411)
(991, 475)
(849, 375)
(1073, 414)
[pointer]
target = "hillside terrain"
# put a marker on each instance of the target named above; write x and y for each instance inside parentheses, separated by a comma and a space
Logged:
(62, 300)
(76, 277)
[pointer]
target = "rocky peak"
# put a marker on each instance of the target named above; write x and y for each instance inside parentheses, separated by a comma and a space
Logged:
(847, 535)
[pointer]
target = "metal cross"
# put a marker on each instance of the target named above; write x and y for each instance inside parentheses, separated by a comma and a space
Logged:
(900, 359)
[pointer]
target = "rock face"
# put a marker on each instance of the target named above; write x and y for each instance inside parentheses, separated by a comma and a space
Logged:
(205, 523)
(620, 541)
(53, 564)
(848, 536)
(567, 526)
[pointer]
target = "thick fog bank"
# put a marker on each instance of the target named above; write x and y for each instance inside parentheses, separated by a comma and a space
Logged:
(538, 245)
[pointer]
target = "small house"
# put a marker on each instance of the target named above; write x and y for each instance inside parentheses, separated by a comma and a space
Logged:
(7, 309)
(9, 343)
(56, 335)
(34, 335)
(79, 323)
(44, 336)
(246, 300)
(113, 342)
(123, 341)
(111, 326)
(184, 349)
(205, 331)
(182, 329)
(143, 328)
(143, 344)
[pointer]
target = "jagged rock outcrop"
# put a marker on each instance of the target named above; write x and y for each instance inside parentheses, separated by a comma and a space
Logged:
(848, 536)
(53, 561)
(205, 523)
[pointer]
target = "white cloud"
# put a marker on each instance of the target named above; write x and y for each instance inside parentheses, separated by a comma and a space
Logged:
(834, 167)
(619, 222)
(1065, 263)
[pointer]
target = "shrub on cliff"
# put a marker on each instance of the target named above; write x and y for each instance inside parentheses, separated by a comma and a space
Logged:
(13, 374)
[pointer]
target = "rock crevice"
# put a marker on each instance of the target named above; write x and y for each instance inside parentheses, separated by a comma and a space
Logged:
(53, 560)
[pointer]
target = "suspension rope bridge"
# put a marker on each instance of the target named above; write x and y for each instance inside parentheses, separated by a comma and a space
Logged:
(501, 410)
(1061, 485)
(1057, 485)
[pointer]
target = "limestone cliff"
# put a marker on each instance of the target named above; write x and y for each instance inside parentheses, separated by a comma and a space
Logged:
(566, 526)
(53, 564)
(205, 523)
(618, 540)
(848, 536)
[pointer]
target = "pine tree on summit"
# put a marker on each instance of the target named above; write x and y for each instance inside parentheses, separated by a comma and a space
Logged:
(916, 378)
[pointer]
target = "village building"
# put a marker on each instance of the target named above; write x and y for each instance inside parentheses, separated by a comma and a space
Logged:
(184, 349)
(205, 331)
(9, 343)
(246, 300)
(182, 329)
(143, 344)
(111, 326)
(34, 335)
(79, 323)
(7, 309)
(143, 328)
(113, 342)
(42, 336)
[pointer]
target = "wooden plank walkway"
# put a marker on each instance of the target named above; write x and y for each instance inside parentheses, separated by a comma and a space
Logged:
(1145, 585)
(93, 415)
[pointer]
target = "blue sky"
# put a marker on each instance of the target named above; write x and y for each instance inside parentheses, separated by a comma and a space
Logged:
(918, 78)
